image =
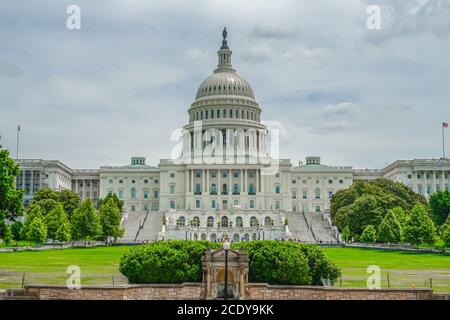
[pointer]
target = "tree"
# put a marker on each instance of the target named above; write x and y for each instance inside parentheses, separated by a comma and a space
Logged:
(33, 211)
(110, 220)
(46, 205)
(63, 233)
(45, 193)
(115, 198)
(401, 215)
(390, 229)
(346, 234)
(419, 227)
(85, 221)
(364, 211)
(54, 220)
(369, 234)
(37, 232)
(16, 228)
(69, 200)
(440, 206)
(7, 235)
(11, 199)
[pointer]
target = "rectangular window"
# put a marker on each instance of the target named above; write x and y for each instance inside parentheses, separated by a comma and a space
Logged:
(341, 181)
(172, 175)
(155, 194)
(235, 174)
(197, 204)
(213, 204)
(145, 207)
(330, 194)
(120, 194)
(145, 180)
(172, 204)
(133, 207)
(317, 208)
(252, 204)
(305, 195)
(330, 181)
(145, 194)
(197, 174)
(294, 194)
(277, 204)
(110, 180)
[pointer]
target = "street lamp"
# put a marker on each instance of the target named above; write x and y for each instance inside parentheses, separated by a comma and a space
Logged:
(226, 247)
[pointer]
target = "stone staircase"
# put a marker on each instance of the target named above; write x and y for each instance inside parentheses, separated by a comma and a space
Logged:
(310, 227)
(321, 229)
(132, 226)
(298, 227)
(152, 226)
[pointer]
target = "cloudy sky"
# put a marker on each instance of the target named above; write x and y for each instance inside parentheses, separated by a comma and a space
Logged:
(122, 83)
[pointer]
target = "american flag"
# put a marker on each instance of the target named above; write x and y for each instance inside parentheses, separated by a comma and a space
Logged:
(444, 124)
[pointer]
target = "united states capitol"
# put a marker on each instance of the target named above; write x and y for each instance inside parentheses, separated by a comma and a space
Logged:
(226, 181)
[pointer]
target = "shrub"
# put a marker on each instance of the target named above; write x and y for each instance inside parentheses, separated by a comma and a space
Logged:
(275, 262)
(369, 234)
(173, 261)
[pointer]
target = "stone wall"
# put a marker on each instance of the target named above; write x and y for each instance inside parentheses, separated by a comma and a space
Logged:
(263, 291)
(185, 291)
(196, 291)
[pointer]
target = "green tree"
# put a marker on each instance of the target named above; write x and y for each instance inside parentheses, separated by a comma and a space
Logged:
(85, 222)
(419, 227)
(115, 198)
(401, 215)
(346, 235)
(45, 193)
(390, 229)
(46, 205)
(54, 219)
(11, 199)
(69, 200)
(440, 206)
(445, 235)
(37, 232)
(110, 220)
(369, 234)
(16, 229)
(7, 235)
(33, 211)
(63, 233)
(366, 210)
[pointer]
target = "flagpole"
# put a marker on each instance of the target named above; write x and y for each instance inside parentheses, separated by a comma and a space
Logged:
(17, 147)
(443, 142)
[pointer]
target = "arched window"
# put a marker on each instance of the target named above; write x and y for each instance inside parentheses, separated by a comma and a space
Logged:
(203, 237)
(235, 188)
(246, 237)
(181, 221)
(268, 222)
(201, 115)
(251, 189)
(231, 113)
(133, 193)
(239, 223)
(196, 222)
(218, 113)
(277, 189)
(172, 188)
(213, 237)
(254, 237)
(253, 222)
(210, 222)
(198, 189)
(224, 222)
(236, 237)
(317, 193)
(224, 113)
(195, 236)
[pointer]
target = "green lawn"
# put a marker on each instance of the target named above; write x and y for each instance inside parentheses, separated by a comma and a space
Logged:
(98, 265)
(404, 269)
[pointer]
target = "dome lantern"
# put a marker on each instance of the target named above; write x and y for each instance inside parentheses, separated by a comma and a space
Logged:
(224, 54)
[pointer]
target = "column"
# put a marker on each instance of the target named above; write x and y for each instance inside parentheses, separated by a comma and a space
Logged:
(244, 187)
(241, 174)
(229, 181)
(424, 182)
(192, 180)
(203, 181)
(442, 180)
(76, 186)
(207, 181)
(186, 181)
(433, 182)
(415, 181)
(219, 186)
(90, 190)
(257, 181)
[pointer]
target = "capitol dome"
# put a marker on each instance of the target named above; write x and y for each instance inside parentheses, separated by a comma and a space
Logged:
(225, 80)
